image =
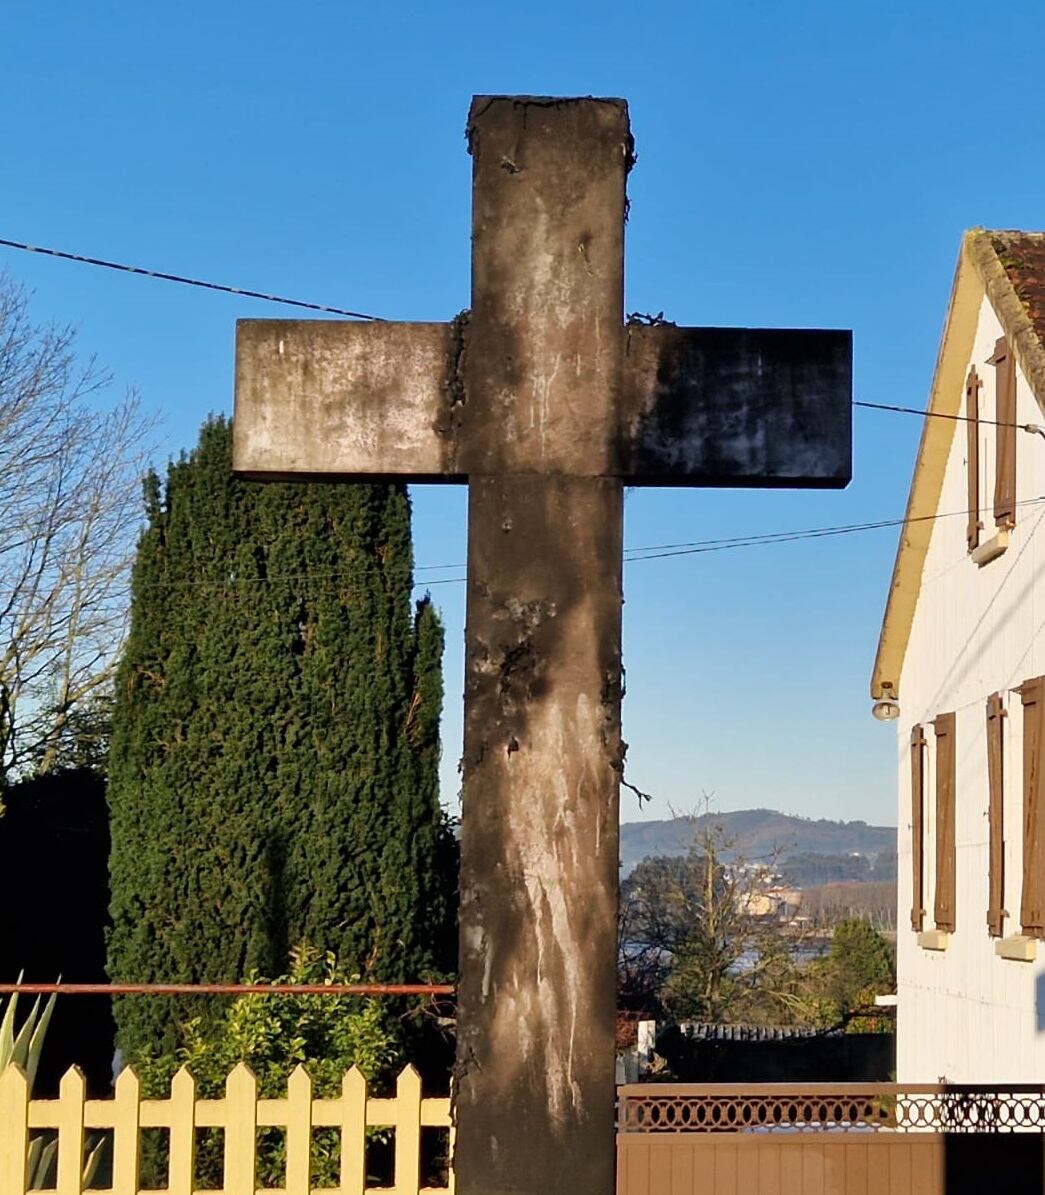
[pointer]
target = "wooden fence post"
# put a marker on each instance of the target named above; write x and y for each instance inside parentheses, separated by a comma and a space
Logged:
(126, 1144)
(237, 1113)
(182, 1107)
(69, 1119)
(299, 1132)
(14, 1121)
(408, 1131)
(241, 1131)
(353, 1133)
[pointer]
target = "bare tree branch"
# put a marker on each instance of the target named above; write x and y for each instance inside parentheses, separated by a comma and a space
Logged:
(70, 505)
(700, 935)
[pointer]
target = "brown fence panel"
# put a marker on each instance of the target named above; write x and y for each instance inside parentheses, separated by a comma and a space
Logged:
(830, 1139)
(843, 1163)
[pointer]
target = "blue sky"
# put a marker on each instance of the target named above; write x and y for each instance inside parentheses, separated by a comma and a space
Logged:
(800, 164)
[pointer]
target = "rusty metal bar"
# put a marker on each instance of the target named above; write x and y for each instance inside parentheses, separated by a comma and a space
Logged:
(228, 989)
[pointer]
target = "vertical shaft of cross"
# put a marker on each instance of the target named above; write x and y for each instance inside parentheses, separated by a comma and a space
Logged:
(537, 992)
(536, 999)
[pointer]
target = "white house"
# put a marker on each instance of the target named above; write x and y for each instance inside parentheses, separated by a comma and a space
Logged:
(961, 665)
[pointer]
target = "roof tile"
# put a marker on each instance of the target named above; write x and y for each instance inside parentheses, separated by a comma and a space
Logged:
(1022, 256)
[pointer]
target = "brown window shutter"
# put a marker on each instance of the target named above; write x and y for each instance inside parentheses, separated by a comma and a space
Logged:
(995, 816)
(917, 827)
(1005, 441)
(1032, 904)
(972, 427)
(943, 908)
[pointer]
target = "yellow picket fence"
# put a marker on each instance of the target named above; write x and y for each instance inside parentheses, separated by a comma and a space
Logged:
(240, 1114)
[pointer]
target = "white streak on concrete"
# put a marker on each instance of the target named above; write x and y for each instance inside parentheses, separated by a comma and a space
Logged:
(546, 832)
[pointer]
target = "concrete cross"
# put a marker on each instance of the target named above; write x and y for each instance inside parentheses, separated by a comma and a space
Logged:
(546, 404)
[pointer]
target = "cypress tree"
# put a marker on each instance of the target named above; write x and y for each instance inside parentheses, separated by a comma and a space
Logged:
(273, 769)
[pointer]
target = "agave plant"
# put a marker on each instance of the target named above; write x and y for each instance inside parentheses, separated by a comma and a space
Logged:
(23, 1048)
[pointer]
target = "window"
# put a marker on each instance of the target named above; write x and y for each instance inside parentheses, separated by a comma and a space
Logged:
(996, 913)
(1032, 903)
(972, 426)
(991, 455)
(1005, 435)
(917, 826)
(943, 904)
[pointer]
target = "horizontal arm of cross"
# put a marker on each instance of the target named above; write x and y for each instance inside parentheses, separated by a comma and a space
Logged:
(697, 406)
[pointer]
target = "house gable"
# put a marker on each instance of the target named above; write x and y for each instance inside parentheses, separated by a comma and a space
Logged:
(1009, 268)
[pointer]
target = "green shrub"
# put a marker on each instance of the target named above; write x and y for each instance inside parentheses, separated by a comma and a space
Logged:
(272, 1035)
(841, 986)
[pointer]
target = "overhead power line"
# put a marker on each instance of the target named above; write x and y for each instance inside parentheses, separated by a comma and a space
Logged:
(632, 555)
(1033, 428)
(782, 537)
(165, 277)
(649, 552)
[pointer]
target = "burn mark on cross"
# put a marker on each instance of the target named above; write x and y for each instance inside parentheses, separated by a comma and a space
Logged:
(545, 403)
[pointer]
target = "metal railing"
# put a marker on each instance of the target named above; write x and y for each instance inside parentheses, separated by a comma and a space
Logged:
(827, 1107)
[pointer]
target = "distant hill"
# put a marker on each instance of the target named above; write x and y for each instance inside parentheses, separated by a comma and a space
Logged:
(757, 832)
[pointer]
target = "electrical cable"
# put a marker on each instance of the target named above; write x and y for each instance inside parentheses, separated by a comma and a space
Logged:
(657, 551)
(882, 406)
(165, 277)
(652, 552)
(632, 555)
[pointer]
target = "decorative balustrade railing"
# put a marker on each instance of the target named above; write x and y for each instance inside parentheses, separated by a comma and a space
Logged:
(827, 1107)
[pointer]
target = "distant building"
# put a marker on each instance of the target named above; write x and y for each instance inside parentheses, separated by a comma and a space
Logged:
(779, 903)
(961, 664)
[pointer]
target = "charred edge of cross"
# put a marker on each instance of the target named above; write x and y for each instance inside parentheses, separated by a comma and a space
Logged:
(462, 1066)
(617, 764)
(449, 419)
(645, 319)
(546, 101)
(460, 1070)
(459, 350)
(613, 688)
(630, 160)
(611, 696)
(458, 328)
